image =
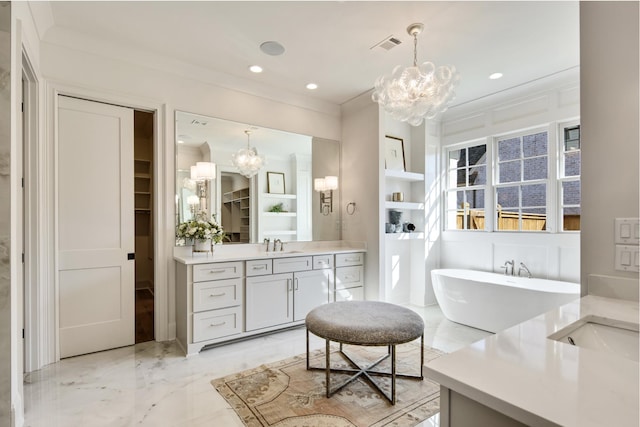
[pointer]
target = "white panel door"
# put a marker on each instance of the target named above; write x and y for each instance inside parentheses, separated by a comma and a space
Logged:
(95, 226)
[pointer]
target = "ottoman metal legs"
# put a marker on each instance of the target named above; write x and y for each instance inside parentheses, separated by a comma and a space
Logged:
(365, 371)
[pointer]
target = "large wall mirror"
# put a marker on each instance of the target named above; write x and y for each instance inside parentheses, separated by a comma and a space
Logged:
(279, 202)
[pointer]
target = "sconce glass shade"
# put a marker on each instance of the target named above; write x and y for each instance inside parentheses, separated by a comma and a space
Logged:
(414, 93)
(331, 182)
(202, 171)
(247, 160)
(193, 200)
(319, 184)
(206, 170)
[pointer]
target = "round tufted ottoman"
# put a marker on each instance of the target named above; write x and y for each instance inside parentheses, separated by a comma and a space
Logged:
(365, 323)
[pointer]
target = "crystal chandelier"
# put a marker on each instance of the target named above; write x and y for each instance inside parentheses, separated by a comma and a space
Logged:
(247, 160)
(414, 93)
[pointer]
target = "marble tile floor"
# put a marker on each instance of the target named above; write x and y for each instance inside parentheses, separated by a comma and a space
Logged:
(153, 384)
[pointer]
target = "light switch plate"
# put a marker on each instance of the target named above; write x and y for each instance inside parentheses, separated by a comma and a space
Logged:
(627, 258)
(627, 231)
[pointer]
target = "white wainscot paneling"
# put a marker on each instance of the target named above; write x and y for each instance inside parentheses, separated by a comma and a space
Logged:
(518, 110)
(569, 264)
(536, 258)
(464, 124)
(397, 272)
(466, 254)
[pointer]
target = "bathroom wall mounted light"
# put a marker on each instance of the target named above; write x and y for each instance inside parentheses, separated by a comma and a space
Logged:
(203, 171)
(414, 93)
(325, 187)
(201, 174)
(247, 160)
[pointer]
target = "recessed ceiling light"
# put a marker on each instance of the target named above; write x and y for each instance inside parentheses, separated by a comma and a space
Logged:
(312, 86)
(255, 69)
(495, 76)
(272, 48)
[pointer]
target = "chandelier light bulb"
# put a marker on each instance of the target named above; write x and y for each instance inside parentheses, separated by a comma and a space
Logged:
(414, 93)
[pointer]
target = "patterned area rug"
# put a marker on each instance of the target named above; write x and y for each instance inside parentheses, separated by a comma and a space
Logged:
(285, 394)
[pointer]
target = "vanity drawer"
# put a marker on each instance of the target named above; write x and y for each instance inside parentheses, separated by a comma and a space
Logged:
(288, 265)
(259, 267)
(217, 294)
(351, 294)
(349, 277)
(322, 261)
(345, 260)
(214, 324)
(217, 271)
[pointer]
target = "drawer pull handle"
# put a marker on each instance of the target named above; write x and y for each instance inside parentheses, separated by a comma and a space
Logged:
(259, 267)
(216, 271)
(348, 277)
(218, 295)
(352, 259)
(218, 324)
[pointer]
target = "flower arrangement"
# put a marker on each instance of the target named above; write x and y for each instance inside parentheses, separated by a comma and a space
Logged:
(201, 228)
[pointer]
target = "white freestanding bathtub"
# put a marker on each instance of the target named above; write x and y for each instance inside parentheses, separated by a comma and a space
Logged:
(492, 301)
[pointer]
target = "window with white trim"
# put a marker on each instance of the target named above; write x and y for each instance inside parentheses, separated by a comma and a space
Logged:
(522, 180)
(569, 181)
(525, 181)
(467, 182)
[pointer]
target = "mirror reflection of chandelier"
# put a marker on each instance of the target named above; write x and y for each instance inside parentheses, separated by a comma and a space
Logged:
(247, 160)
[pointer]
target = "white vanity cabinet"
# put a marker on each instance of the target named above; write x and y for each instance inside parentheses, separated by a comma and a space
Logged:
(209, 303)
(349, 283)
(287, 295)
(222, 301)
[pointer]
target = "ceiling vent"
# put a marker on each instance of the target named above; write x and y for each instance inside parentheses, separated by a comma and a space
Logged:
(388, 43)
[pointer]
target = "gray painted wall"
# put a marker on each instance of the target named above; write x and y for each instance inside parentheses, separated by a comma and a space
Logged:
(609, 118)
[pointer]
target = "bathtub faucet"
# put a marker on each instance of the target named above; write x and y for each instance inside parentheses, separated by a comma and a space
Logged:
(524, 267)
(508, 268)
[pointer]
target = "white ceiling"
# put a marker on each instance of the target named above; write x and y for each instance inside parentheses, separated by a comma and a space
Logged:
(329, 42)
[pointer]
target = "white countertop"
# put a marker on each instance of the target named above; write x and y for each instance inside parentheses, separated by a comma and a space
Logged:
(241, 252)
(539, 381)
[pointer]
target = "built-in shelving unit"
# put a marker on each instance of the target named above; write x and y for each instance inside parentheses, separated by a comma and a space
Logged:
(282, 225)
(402, 254)
(236, 215)
(411, 185)
(142, 185)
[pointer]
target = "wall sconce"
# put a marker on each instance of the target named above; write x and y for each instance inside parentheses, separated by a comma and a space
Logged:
(325, 187)
(192, 201)
(202, 173)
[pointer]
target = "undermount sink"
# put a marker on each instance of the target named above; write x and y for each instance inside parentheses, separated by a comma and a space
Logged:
(602, 334)
(276, 253)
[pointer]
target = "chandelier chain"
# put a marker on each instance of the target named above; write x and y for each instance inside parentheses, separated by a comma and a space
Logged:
(415, 49)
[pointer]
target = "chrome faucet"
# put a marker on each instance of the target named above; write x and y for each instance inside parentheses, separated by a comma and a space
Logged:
(266, 241)
(506, 266)
(275, 244)
(524, 267)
